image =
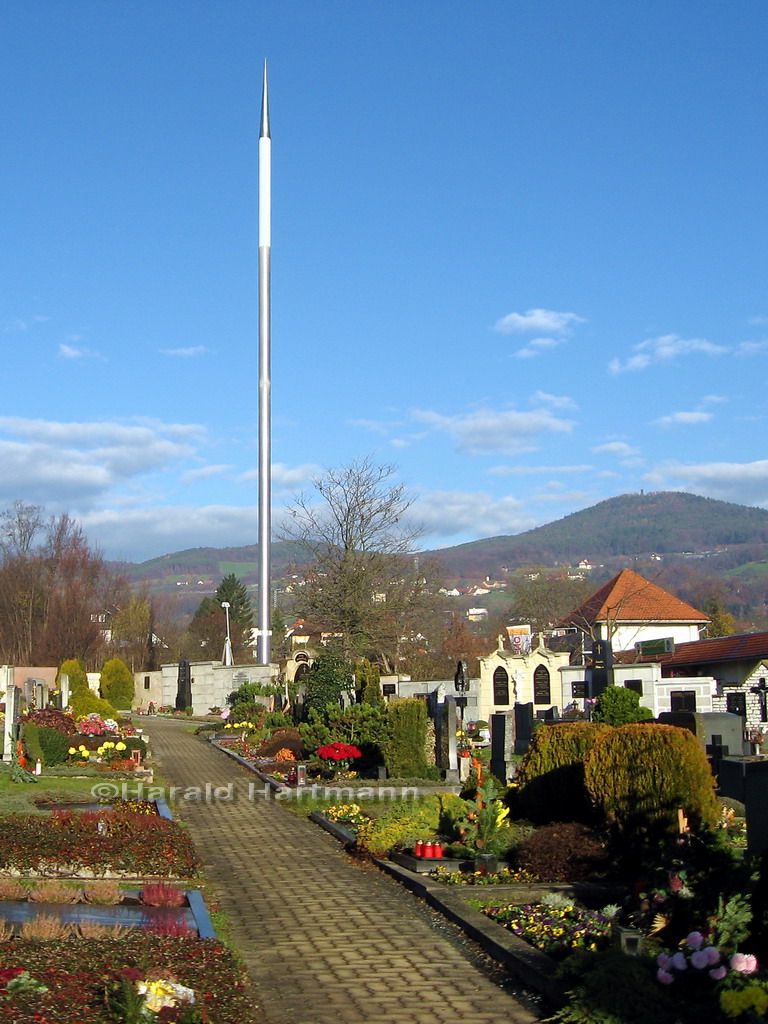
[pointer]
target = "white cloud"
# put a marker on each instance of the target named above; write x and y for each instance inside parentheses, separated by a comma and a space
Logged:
(745, 483)
(486, 431)
(69, 352)
(556, 401)
(287, 479)
(537, 346)
(683, 418)
(75, 463)
(444, 514)
(185, 353)
(546, 320)
(751, 348)
(138, 534)
(620, 449)
(664, 349)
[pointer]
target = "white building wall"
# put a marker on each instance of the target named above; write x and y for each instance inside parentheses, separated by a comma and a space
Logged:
(656, 692)
(521, 669)
(212, 683)
(626, 635)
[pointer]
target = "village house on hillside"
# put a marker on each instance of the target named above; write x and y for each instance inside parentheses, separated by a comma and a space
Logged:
(629, 609)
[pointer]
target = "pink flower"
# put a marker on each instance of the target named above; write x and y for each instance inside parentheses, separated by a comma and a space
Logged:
(712, 954)
(664, 961)
(744, 963)
(718, 973)
(679, 962)
(664, 977)
(695, 940)
(675, 882)
(700, 960)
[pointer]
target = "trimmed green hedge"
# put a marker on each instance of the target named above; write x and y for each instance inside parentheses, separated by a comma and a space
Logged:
(640, 775)
(551, 775)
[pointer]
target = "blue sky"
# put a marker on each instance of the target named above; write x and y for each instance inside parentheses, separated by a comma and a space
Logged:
(519, 251)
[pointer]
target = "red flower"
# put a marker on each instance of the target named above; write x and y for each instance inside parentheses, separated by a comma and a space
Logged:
(338, 752)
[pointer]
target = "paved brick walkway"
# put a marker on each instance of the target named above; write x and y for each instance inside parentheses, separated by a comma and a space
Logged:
(325, 940)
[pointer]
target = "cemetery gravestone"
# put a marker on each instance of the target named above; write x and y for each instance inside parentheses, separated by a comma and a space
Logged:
(523, 727)
(502, 744)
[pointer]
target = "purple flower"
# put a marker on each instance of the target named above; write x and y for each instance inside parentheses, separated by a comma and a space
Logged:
(664, 977)
(679, 962)
(664, 961)
(713, 955)
(695, 940)
(718, 973)
(700, 960)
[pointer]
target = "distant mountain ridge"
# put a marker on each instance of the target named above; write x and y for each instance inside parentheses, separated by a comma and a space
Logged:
(630, 525)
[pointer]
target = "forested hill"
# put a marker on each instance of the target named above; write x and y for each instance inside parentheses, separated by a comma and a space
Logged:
(663, 523)
(632, 525)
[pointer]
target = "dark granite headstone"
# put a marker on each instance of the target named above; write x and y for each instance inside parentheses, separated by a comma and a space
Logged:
(747, 781)
(523, 727)
(184, 686)
(601, 674)
(502, 744)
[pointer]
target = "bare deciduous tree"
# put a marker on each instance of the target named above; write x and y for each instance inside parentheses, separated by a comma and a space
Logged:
(51, 592)
(362, 580)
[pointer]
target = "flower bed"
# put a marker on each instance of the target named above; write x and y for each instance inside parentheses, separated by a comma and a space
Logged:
(97, 842)
(555, 929)
(76, 972)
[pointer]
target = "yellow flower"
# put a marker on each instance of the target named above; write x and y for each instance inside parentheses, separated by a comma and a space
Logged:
(119, 746)
(83, 749)
(72, 750)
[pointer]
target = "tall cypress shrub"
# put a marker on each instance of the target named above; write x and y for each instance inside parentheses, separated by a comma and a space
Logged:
(404, 750)
(640, 775)
(551, 774)
(117, 684)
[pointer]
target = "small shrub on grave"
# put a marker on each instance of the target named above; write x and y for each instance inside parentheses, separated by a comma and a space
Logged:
(89, 930)
(617, 705)
(483, 826)
(162, 894)
(12, 889)
(31, 738)
(402, 824)
(563, 852)
(52, 718)
(103, 892)
(87, 703)
(116, 682)
(54, 745)
(550, 781)
(51, 890)
(170, 923)
(640, 775)
(613, 988)
(45, 927)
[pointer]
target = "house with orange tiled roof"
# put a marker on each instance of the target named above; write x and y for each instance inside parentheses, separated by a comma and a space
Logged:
(629, 609)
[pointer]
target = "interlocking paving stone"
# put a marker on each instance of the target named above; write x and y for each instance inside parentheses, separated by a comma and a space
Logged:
(325, 940)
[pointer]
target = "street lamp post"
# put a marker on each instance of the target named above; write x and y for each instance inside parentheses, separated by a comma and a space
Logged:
(227, 659)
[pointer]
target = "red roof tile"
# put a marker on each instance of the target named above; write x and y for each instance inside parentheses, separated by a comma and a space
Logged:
(745, 647)
(629, 597)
